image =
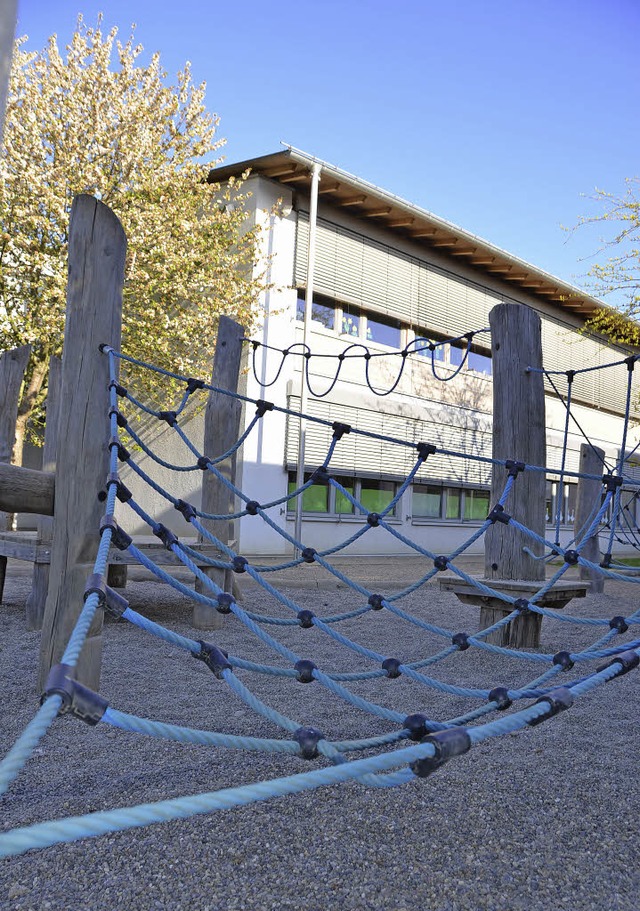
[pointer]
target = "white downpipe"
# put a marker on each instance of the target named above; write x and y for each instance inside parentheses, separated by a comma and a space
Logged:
(308, 304)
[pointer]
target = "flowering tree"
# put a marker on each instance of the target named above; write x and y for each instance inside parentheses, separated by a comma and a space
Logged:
(619, 275)
(97, 121)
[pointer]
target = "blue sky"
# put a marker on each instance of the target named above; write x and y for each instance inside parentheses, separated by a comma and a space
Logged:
(501, 116)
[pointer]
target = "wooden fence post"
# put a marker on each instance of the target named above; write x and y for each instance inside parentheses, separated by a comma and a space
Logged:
(40, 583)
(12, 366)
(221, 430)
(97, 248)
(519, 433)
(587, 503)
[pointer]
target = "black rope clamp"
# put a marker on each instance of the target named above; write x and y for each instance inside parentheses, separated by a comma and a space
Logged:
(203, 463)
(619, 624)
(514, 468)
(188, 511)
(305, 618)
(304, 669)
(373, 519)
(500, 695)
(571, 557)
(564, 660)
(262, 407)
(308, 739)
(612, 482)
(320, 475)
(96, 585)
(252, 508)
(447, 744)
(498, 514)
(425, 450)
(605, 563)
(558, 701)
(77, 700)
(441, 563)
(239, 564)
(392, 667)
(522, 605)
(169, 416)
(461, 640)
(121, 420)
(225, 600)
(309, 554)
(119, 538)
(123, 453)
(120, 390)
(165, 534)
(376, 601)
(115, 603)
(123, 493)
(340, 429)
(627, 661)
(631, 362)
(213, 657)
(418, 726)
(193, 384)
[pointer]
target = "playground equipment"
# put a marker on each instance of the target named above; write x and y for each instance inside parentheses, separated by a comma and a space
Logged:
(70, 686)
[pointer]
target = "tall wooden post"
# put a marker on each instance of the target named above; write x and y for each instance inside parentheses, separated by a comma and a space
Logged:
(40, 584)
(97, 248)
(221, 430)
(12, 366)
(587, 503)
(518, 434)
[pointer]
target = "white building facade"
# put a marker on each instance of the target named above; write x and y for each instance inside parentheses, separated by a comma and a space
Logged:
(382, 274)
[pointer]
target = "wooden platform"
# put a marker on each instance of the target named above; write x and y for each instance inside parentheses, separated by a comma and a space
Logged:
(524, 631)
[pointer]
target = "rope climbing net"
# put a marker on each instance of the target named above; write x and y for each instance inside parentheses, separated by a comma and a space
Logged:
(401, 745)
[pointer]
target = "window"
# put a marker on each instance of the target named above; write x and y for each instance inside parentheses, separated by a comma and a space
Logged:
(567, 506)
(431, 501)
(324, 499)
(383, 331)
(320, 313)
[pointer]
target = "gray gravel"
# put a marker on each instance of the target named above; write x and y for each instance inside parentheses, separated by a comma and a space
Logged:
(545, 818)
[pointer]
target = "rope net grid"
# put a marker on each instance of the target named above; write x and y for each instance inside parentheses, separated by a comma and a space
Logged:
(411, 721)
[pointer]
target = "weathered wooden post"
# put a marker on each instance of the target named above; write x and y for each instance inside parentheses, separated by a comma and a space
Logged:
(40, 584)
(12, 366)
(587, 503)
(221, 430)
(519, 435)
(97, 247)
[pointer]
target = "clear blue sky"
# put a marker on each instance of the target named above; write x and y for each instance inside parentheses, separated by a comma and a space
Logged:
(498, 115)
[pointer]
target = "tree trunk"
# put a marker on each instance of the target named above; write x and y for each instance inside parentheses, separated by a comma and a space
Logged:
(28, 400)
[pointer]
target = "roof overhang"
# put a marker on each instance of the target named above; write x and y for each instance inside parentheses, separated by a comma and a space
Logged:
(292, 168)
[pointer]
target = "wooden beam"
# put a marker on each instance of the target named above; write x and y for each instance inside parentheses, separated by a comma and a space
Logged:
(464, 252)
(424, 232)
(376, 213)
(328, 187)
(483, 260)
(26, 490)
(445, 242)
(293, 178)
(403, 222)
(281, 170)
(351, 200)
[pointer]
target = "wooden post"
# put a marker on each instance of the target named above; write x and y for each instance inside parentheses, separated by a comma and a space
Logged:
(12, 366)
(97, 248)
(221, 430)
(587, 503)
(518, 434)
(40, 584)
(26, 490)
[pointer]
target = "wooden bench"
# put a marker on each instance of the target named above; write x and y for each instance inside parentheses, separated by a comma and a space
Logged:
(523, 631)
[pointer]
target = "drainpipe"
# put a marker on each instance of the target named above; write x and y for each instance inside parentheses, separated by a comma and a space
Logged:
(311, 264)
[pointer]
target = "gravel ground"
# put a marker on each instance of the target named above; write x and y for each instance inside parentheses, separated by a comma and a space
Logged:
(545, 818)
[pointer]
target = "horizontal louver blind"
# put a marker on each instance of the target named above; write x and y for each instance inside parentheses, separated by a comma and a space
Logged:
(358, 270)
(358, 455)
